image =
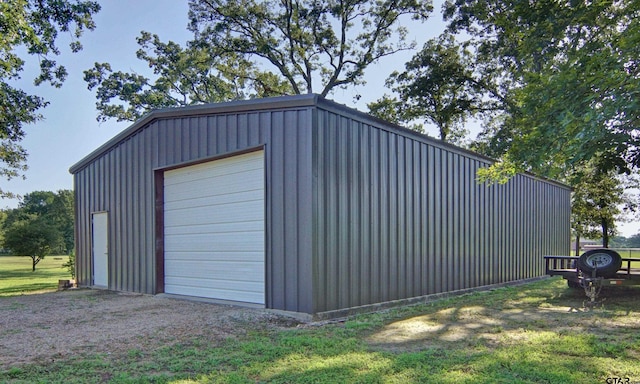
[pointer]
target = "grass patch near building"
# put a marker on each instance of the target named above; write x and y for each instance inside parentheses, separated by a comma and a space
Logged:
(543, 332)
(16, 277)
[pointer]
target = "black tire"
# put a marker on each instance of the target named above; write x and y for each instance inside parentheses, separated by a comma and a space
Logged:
(605, 261)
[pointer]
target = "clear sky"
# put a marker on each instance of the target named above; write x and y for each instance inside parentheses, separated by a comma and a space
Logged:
(70, 131)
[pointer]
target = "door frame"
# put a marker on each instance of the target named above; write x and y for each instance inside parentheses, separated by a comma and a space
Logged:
(158, 174)
(95, 261)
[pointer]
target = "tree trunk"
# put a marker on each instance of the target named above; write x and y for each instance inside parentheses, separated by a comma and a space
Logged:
(605, 233)
(578, 244)
(35, 260)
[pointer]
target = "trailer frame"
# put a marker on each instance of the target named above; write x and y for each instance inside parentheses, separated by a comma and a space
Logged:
(566, 266)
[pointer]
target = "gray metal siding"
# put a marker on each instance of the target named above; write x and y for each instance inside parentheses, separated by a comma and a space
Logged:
(121, 182)
(357, 211)
(396, 217)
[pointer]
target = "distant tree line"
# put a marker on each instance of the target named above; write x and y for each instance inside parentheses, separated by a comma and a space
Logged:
(41, 225)
(626, 242)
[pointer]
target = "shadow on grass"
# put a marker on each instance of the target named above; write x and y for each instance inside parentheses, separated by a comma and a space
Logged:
(508, 318)
(32, 287)
(538, 333)
(23, 274)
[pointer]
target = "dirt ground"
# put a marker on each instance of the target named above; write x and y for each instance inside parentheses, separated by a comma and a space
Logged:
(46, 327)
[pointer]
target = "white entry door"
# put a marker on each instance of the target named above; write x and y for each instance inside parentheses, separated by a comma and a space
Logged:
(100, 249)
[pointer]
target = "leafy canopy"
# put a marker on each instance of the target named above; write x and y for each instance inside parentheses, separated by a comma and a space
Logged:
(257, 48)
(439, 86)
(570, 73)
(53, 208)
(32, 236)
(195, 74)
(599, 200)
(31, 27)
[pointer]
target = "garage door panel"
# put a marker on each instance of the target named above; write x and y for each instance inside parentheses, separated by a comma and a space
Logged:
(223, 294)
(245, 181)
(223, 227)
(205, 201)
(229, 166)
(240, 272)
(214, 229)
(207, 256)
(229, 182)
(226, 285)
(229, 213)
(215, 242)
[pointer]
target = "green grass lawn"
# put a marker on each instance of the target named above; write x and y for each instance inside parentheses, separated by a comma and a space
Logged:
(16, 277)
(535, 333)
(629, 254)
(625, 253)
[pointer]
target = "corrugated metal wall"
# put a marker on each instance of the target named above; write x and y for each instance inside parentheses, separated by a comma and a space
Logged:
(121, 182)
(397, 216)
(357, 212)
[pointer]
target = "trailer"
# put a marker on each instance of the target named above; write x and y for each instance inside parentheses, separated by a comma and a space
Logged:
(593, 270)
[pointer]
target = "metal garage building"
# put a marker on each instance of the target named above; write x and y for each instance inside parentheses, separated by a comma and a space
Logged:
(301, 204)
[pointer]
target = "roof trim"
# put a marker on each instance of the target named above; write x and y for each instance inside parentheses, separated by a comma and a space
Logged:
(280, 102)
(294, 101)
(383, 124)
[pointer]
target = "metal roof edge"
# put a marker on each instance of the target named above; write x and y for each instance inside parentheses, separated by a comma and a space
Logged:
(330, 104)
(291, 101)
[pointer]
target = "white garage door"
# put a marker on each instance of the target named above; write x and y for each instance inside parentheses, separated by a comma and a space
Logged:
(214, 229)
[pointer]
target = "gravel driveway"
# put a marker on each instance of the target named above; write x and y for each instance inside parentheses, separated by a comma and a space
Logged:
(47, 327)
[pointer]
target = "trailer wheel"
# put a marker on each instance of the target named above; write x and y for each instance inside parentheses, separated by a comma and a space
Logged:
(604, 261)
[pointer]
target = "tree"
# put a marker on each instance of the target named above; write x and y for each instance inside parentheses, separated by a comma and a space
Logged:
(598, 201)
(33, 237)
(256, 48)
(56, 209)
(3, 219)
(32, 26)
(192, 75)
(634, 241)
(70, 265)
(439, 85)
(62, 216)
(570, 74)
(619, 242)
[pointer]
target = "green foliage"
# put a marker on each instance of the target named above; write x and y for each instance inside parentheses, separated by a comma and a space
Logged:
(70, 265)
(58, 210)
(633, 241)
(499, 172)
(566, 78)
(439, 85)
(3, 219)
(618, 242)
(33, 237)
(302, 40)
(33, 26)
(599, 200)
(54, 208)
(568, 72)
(257, 48)
(192, 75)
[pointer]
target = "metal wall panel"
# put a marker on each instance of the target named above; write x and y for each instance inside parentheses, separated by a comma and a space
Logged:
(357, 211)
(120, 180)
(398, 216)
